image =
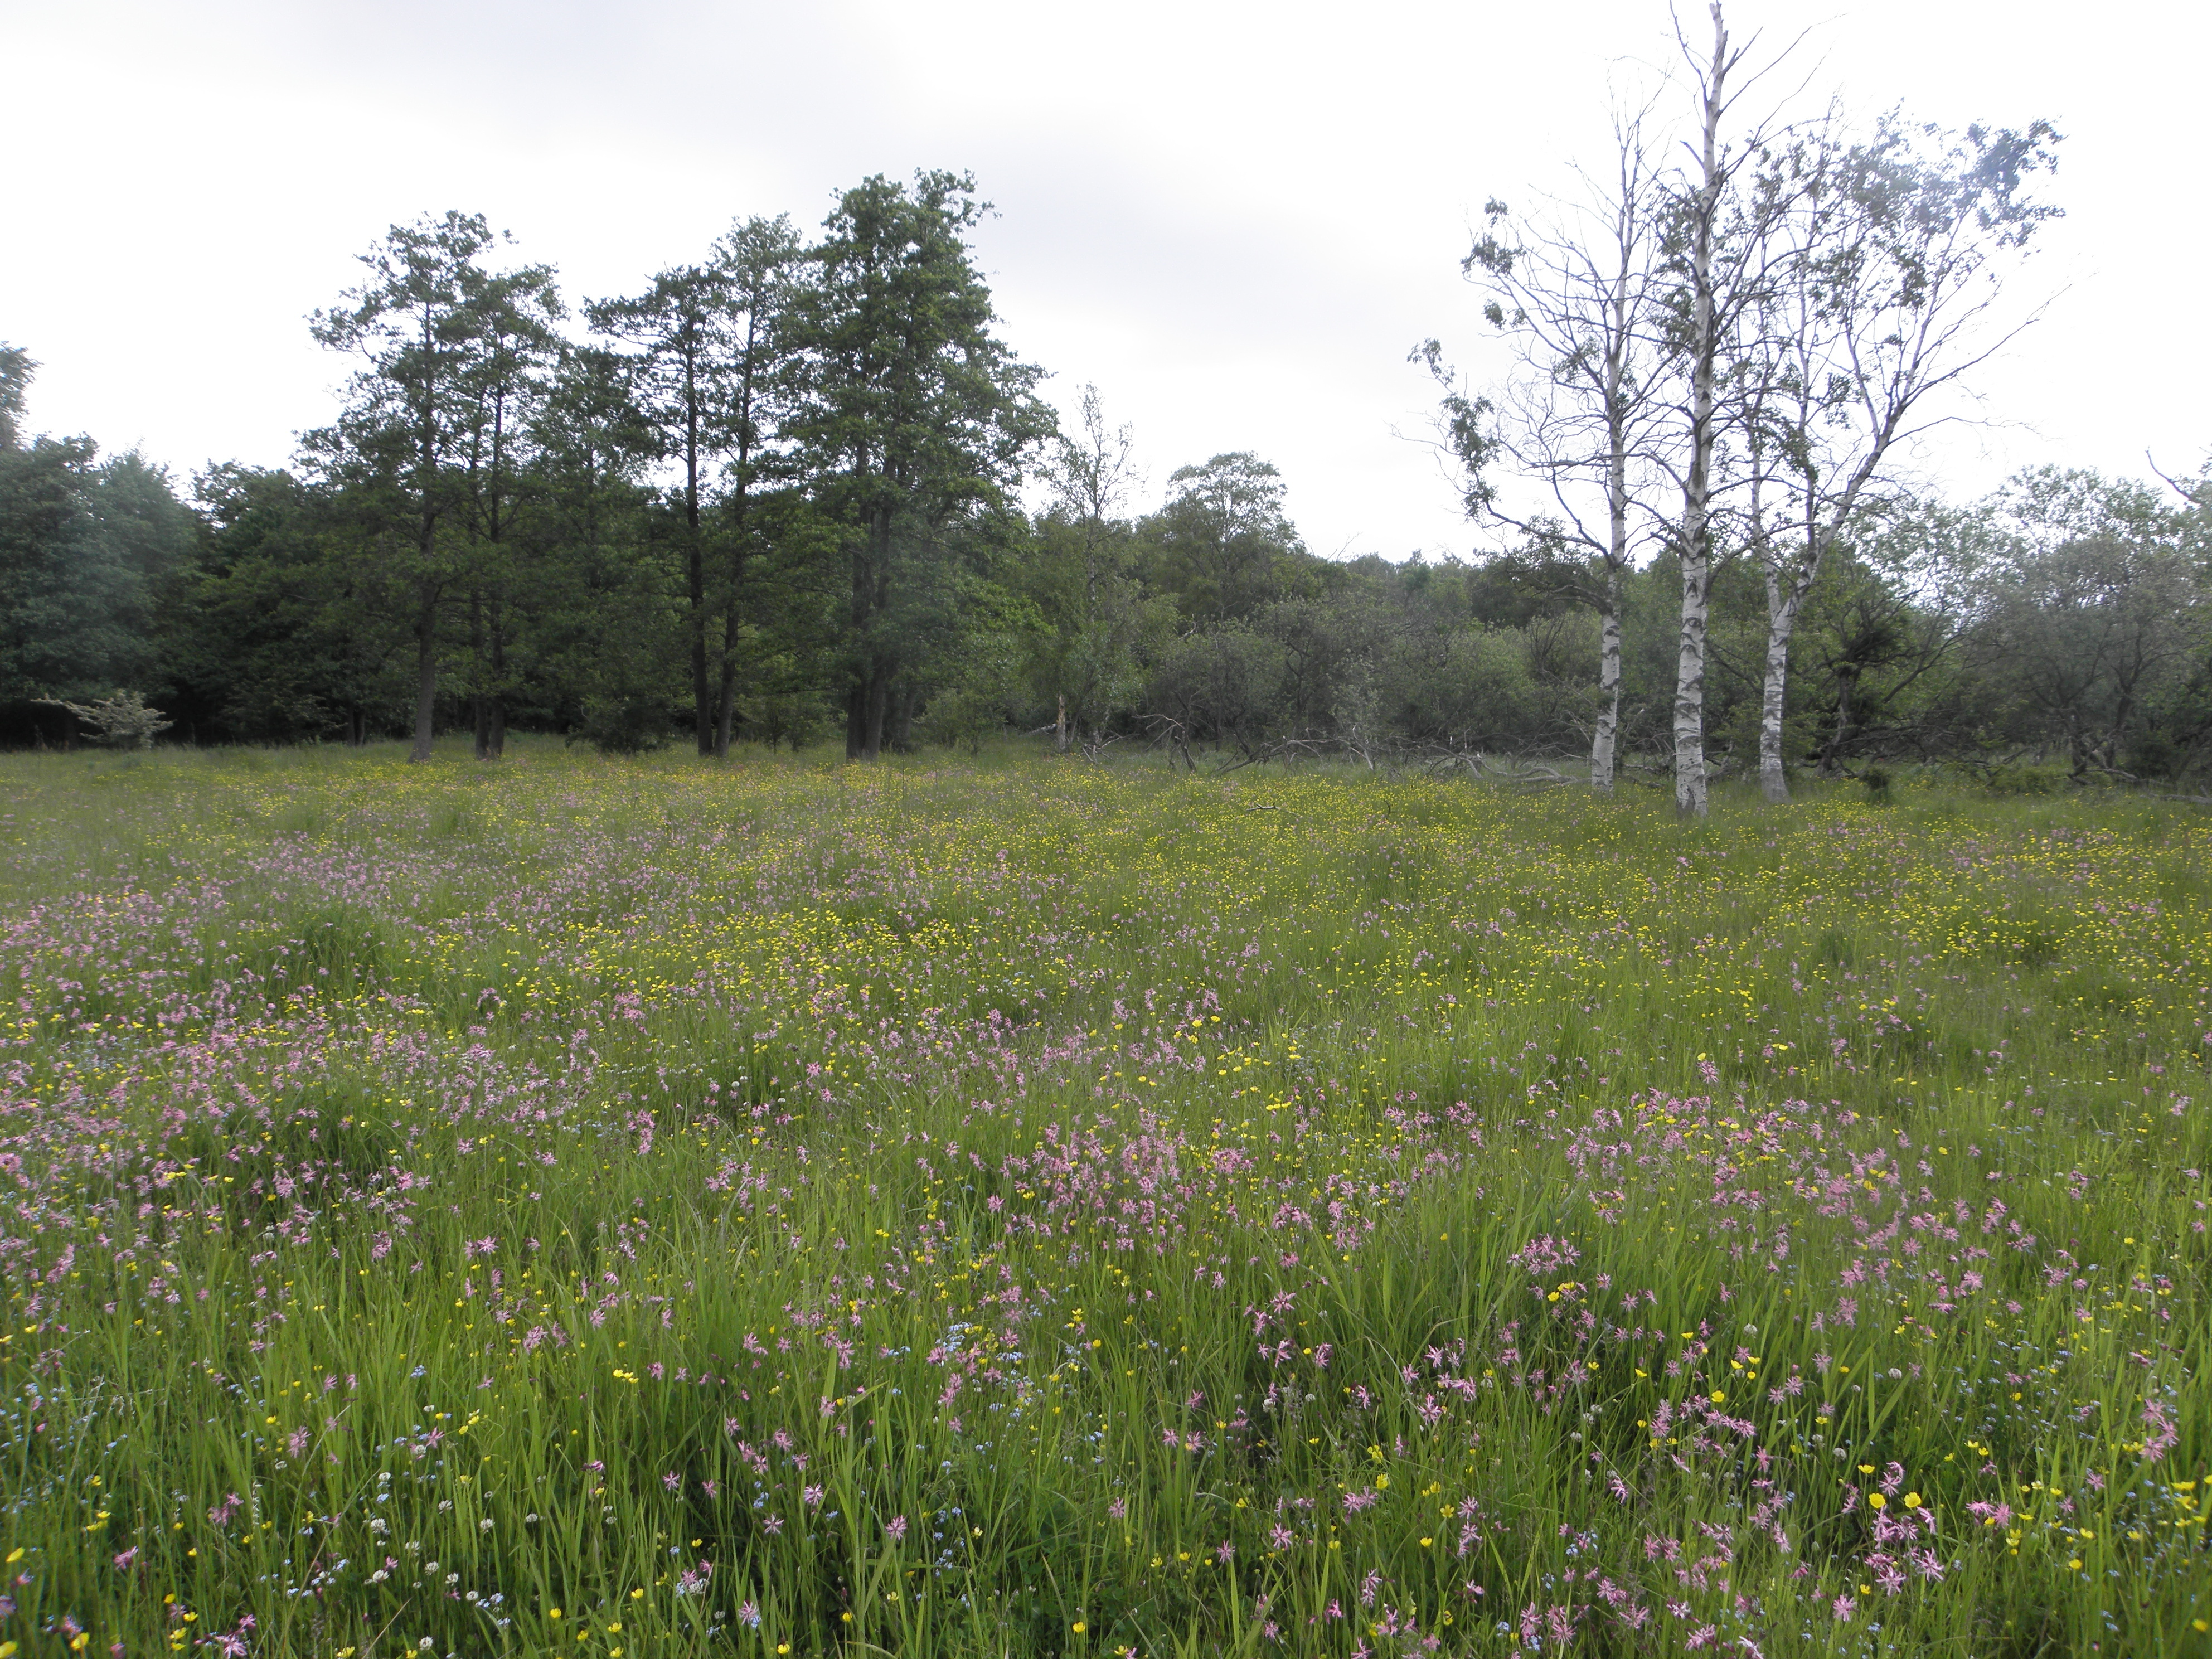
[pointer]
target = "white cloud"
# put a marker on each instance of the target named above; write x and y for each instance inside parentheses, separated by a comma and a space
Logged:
(1234, 218)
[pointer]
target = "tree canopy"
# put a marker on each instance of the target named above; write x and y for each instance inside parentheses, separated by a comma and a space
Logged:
(802, 487)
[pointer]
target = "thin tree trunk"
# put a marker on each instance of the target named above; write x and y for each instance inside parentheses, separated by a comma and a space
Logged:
(479, 709)
(483, 611)
(1059, 727)
(426, 677)
(864, 713)
(702, 722)
(725, 701)
(740, 505)
(856, 716)
(725, 696)
(898, 729)
(1608, 684)
(1781, 606)
(426, 617)
(1690, 792)
(702, 710)
(1619, 321)
(1832, 756)
(493, 741)
(878, 707)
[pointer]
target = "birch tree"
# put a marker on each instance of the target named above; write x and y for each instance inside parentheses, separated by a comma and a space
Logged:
(1630, 315)
(1576, 290)
(1716, 245)
(1884, 261)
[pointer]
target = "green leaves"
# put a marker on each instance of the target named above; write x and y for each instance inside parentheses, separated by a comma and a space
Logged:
(907, 413)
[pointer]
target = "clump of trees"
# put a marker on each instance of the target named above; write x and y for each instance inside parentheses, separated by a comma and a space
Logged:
(89, 551)
(1723, 352)
(801, 488)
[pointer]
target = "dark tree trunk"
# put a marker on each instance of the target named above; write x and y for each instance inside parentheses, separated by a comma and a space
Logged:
(495, 737)
(479, 704)
(702, 721)
(426, 677)
(1831, 756)
(856, 718)
(725, 701)
(902, 720)
(870, 701)
(866, 712)
(425, 695)
(725, 704)
(879, 702)
(701, 700)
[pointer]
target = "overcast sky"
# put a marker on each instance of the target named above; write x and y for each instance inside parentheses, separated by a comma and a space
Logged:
(1234, 218)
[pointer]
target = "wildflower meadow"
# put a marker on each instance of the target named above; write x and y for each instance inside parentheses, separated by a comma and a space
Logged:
(613, 1209)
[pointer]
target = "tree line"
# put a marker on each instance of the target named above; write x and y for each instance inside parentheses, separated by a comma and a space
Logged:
(779, 495)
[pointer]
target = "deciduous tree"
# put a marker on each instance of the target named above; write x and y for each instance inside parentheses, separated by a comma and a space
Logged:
(1884, 259)
(1578, 289)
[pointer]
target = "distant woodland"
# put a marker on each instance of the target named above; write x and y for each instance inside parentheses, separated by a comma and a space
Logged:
(802, 491)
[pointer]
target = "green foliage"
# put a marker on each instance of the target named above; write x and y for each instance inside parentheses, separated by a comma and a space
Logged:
(90, 553)
(280, 635)
(16, 369)
(778, 488)
(909, 414)
(124, 721)
(1222, 544)
(619, 723)
(2095, 634)
(422, 461)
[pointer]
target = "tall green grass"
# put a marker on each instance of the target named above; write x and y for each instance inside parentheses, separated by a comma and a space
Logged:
(1011, 1207)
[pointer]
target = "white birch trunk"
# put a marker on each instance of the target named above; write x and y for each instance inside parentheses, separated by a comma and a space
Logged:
(1608, 684)
(1782, 607)
(1616, 559)
(1690, 795)
(1690, 679)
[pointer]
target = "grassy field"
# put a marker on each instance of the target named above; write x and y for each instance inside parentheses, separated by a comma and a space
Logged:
(623, 1209)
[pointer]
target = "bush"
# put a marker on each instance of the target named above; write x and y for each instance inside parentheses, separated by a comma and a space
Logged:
(126, 721)
(2022, 779)
(625, 725)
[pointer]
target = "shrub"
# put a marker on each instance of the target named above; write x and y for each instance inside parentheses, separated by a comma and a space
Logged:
(126, 721)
